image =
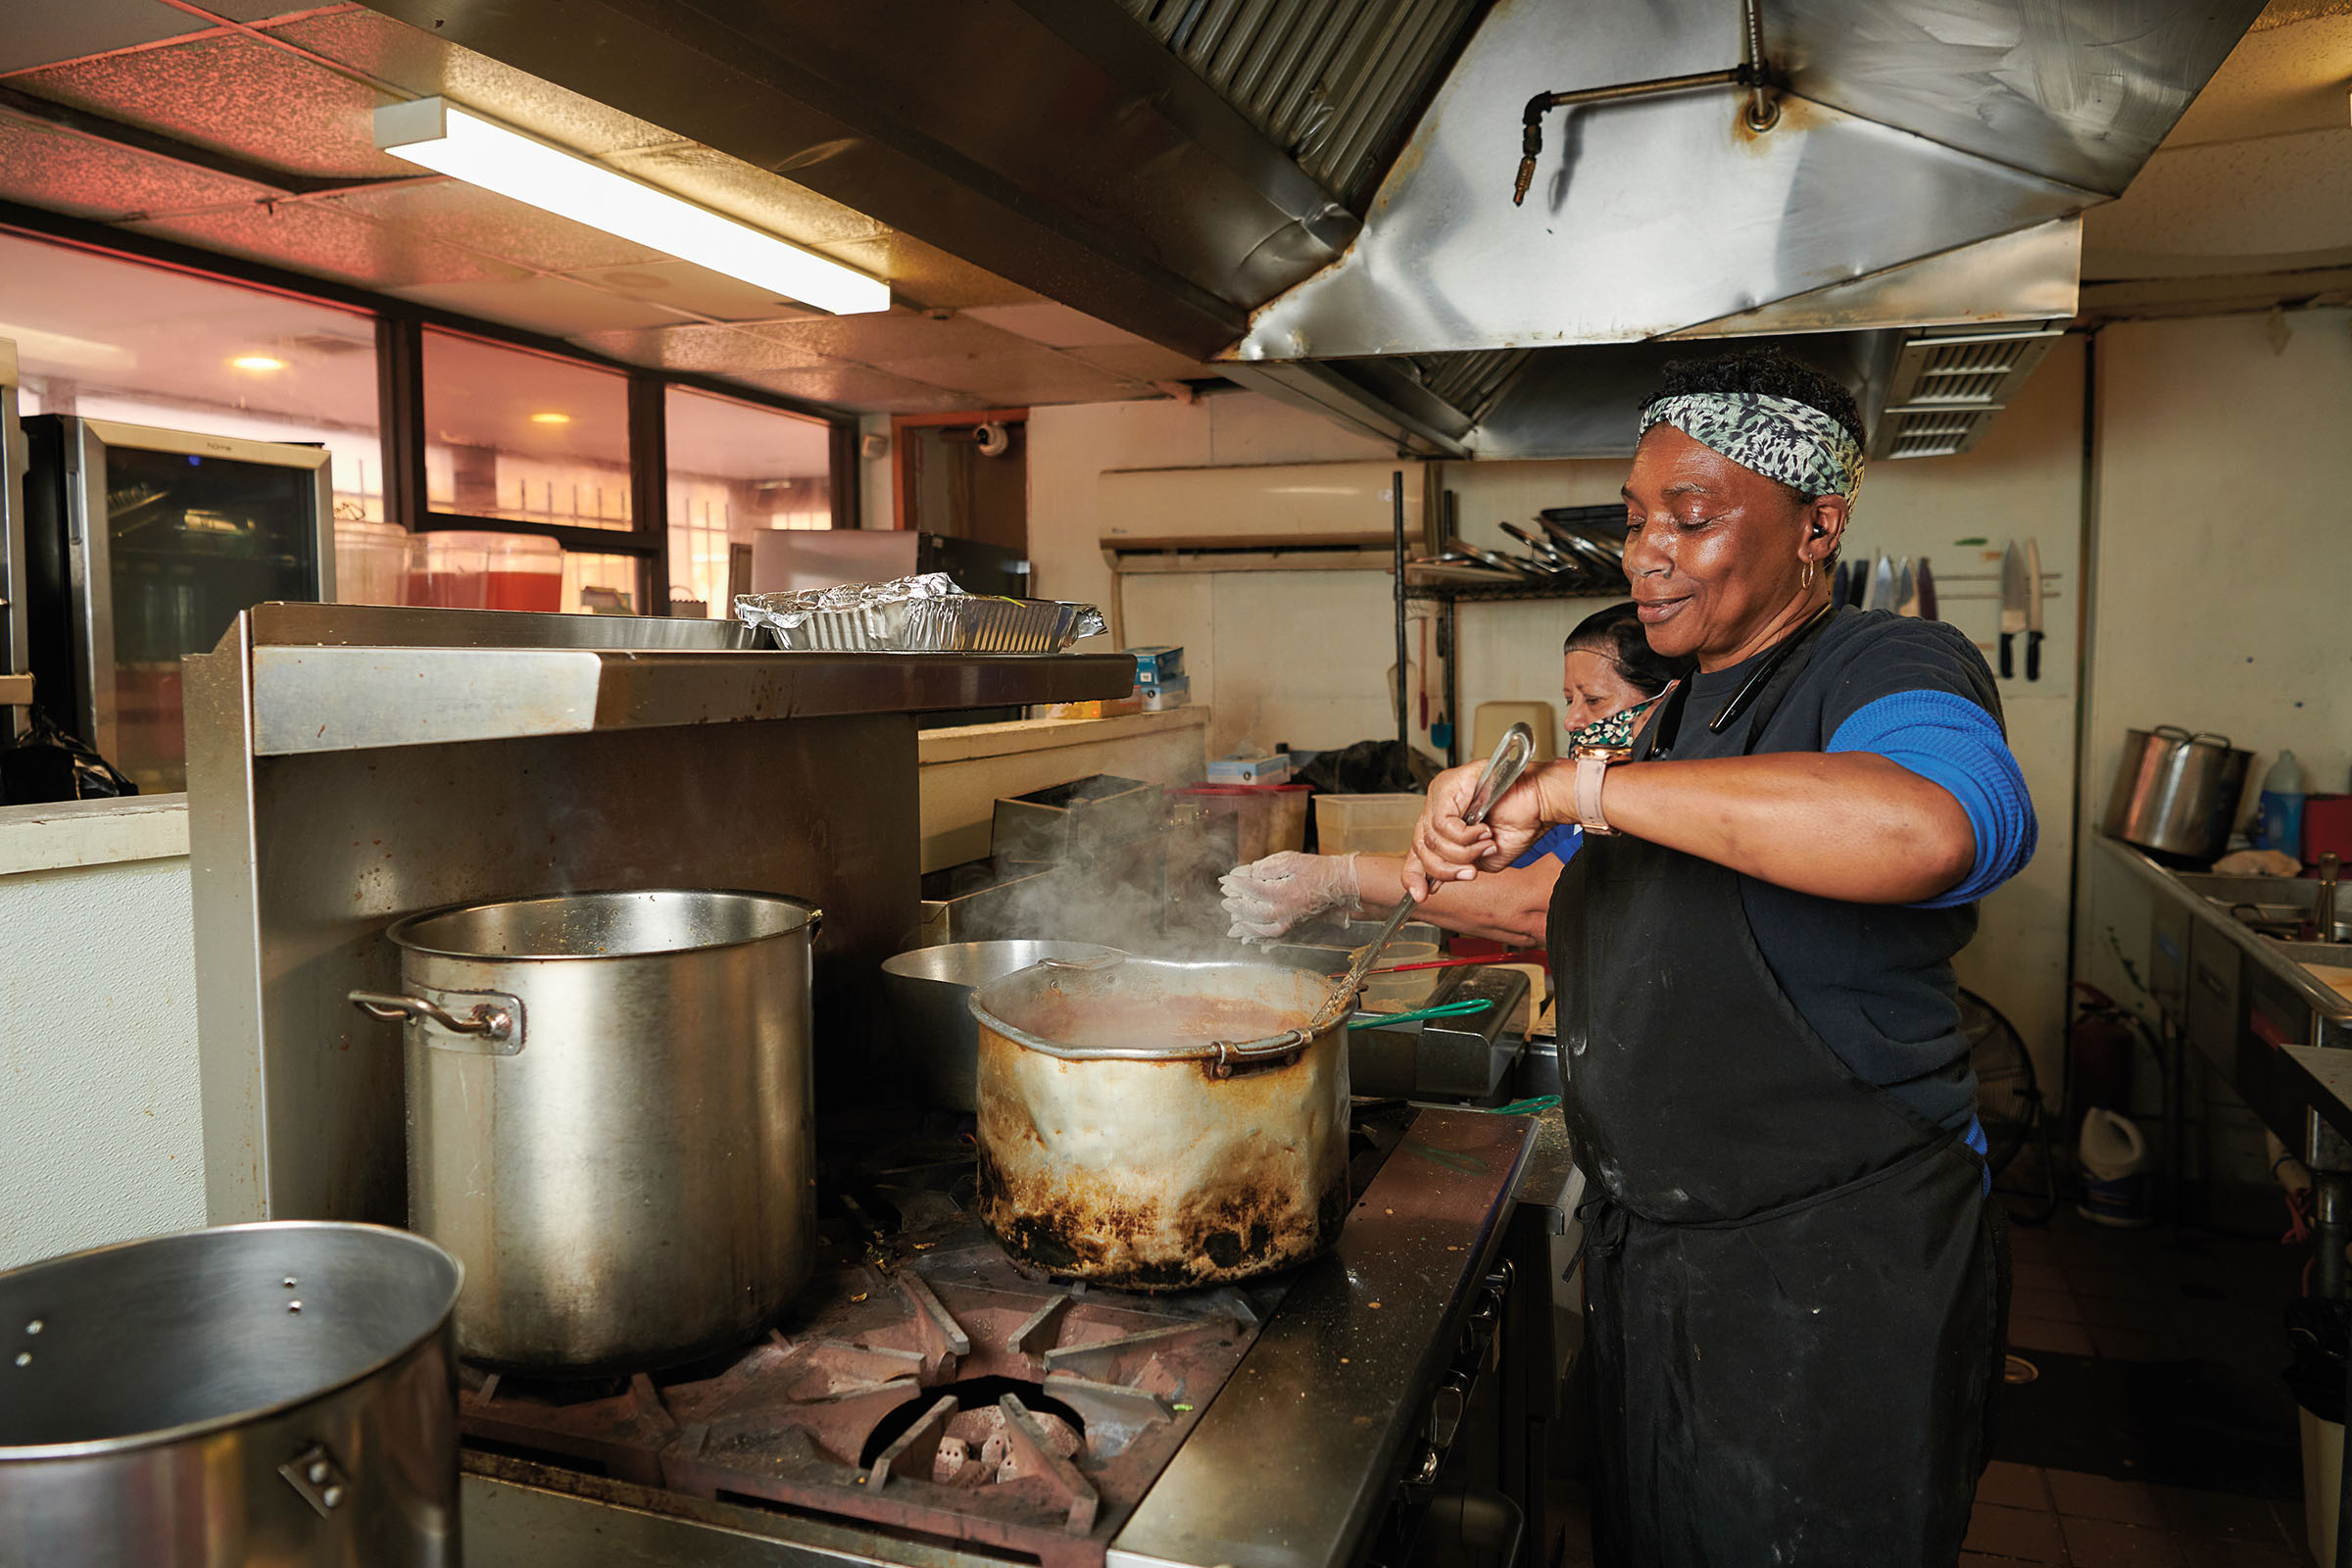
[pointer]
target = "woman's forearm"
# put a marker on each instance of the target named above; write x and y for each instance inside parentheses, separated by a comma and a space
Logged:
(1510, 906)
(1846, 825)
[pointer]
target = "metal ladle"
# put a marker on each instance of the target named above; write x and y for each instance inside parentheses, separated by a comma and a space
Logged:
(1511, 759)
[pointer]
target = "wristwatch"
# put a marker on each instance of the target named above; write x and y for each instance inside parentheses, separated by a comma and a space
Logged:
(1591, 762)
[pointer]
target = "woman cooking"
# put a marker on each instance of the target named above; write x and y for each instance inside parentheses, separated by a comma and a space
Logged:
(1611, 683)
(1795, 1278)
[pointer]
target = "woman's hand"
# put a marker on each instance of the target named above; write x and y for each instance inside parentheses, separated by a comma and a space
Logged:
(1268, 897)
(1448, 849)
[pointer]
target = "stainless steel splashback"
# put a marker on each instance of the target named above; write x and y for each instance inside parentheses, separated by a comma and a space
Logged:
(351, 765)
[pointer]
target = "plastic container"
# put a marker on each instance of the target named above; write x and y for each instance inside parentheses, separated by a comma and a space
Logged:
(461, 569)
(2282, 805)
(1265, 819)
(1380, 823)
(371, 562)
(2116, 1161)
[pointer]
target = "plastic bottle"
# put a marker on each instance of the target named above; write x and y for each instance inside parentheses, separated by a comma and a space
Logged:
(2116, 1161)
(2282, 805)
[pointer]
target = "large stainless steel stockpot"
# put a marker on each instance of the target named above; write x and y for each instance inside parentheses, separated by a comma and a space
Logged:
(609, 1118)
(930, 990)
(1160, 1125)
(257, 1394)
(2177, 792)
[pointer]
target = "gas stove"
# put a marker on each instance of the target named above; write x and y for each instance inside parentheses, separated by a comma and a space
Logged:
(925, 1403)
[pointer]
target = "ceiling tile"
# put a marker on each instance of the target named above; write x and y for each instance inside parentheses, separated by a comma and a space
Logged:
(2228, 207)
(236, 94)
(1054, 326)
(428, 67)
(1007, 381)
(696, 290)
(555, 306)
(850, 386)
(66, 172)
(42, 33)
(2277, 80)
(712, 349)
(485, 220)
(316, 236)
(895, 334)
(924, 275)
(1145, 361)
(748, 193)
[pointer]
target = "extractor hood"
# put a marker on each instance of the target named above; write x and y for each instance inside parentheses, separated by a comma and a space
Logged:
(1319, 192)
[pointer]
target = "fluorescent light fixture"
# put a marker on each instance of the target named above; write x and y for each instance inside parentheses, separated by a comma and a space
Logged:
(439, 135)
(551, 417)
(259, 364)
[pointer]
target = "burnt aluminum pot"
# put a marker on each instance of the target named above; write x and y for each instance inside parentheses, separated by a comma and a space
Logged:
(609, 1118)
(1158, 1125)
(255, 1394)
(2177, 792)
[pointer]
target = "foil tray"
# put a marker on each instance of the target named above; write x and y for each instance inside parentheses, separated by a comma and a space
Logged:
(924, 614)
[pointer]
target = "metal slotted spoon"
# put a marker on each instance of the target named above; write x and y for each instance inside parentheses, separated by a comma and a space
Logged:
(1510, 759)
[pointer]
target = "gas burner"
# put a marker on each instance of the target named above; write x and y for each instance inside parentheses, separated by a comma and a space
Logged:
(943, 1395)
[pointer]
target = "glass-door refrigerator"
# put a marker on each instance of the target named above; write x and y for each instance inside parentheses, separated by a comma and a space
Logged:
(141, 547)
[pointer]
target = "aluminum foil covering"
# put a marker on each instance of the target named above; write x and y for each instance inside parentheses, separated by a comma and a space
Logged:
(921, 614)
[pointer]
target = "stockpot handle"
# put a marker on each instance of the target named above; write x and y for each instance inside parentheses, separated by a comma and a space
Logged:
(1226, 1055)
(1104, 962)
(495, 1021)
(2222, 741)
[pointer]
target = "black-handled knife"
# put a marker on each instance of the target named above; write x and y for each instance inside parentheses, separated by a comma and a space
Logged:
(2013, 606)
(2033, 609)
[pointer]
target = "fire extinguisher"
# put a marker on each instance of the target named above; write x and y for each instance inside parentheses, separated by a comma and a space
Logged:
(2099, 1049)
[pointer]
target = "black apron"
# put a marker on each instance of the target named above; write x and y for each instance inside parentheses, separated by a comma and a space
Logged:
(1795, 1285)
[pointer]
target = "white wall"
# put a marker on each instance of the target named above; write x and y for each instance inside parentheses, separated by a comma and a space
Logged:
(101, 1138)
(1296, 657)
(2225, 564)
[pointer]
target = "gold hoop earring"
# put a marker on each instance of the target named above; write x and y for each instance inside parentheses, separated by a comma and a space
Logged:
(1808, 579)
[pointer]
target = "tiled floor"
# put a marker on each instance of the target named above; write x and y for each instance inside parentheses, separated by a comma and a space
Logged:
(2129, 1296)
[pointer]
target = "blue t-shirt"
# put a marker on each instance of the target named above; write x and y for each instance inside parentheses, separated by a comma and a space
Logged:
(1875, 980)
(1563, 839)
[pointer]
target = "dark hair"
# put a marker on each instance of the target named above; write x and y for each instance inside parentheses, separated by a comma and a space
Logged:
(1769, 372)
(1616, 634)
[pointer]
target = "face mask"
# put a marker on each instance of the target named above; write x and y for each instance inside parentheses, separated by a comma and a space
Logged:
(1617, 729)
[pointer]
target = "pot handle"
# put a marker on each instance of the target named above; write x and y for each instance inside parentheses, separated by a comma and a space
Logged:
(493, 1028)
(2222, 741)
(1102, 963)
(1227, 1055)
(2174, 733)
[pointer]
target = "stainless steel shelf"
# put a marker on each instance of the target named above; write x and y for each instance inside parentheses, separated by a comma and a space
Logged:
(338, 678)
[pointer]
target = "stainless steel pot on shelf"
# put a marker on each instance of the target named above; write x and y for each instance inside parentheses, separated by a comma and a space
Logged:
(930, 990)
(255, 1394)
(1160, 1125)
(2177, 792)
(610, 1117)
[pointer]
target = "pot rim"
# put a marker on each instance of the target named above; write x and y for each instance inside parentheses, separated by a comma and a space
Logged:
(396, 933)
(160, 1437)
(1218, 1051)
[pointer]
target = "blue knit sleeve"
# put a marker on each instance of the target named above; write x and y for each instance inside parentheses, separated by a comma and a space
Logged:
(1952, 742)
(1562, 840)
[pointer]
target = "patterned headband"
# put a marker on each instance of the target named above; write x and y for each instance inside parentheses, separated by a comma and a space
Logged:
(1778, 438)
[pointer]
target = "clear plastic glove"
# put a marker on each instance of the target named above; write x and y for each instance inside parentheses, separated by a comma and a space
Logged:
(1268, 897)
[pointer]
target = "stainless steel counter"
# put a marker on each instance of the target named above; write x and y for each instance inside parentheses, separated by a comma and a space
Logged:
(1292, 1464)
(2187, 889)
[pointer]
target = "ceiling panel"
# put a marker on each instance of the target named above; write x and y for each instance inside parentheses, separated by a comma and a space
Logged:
(41, 33)
(1054, 326)
(747, 193)
(421, 64)
(1036, 375)
(1145, 361)
(236, 94)
(315, 237)
(696, 290)
(555, 306)
(2280, 78)
(2229, 207)
(895, 334)
(66, 172)
(924, 275)
(852, 386)
(468, 215)
(712, 349)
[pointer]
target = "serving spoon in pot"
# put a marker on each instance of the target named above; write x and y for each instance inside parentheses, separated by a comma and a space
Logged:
(1511, 759)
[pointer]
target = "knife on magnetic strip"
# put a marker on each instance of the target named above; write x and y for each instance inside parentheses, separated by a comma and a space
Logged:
(2033, 609)
(2012, 605)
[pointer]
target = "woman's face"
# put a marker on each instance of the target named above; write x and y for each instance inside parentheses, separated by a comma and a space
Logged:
(1716, 551)
(1594, 688)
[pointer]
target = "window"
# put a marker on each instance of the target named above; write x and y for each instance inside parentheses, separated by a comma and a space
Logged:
(524, 437)
(113, 339)
(736, 470)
